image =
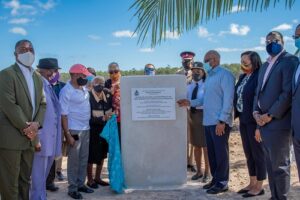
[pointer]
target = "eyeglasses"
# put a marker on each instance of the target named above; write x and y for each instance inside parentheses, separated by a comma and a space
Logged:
(113, 71)
(207, 60)
(295, 37)
(149, 69)
(270, 41)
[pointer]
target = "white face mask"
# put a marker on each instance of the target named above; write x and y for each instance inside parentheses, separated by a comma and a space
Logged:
(26, 59)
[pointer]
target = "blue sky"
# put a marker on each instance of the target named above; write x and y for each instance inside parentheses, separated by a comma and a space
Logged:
(97, 32)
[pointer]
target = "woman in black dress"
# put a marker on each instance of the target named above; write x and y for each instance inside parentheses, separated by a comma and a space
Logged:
(101, 111)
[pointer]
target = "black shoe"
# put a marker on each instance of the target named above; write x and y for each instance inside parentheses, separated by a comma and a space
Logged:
(197, 176)
(75, 195)
(93, 185)
(243, 191)
(101, 182)
(206, 178)
(52, 188)
(208, 185)
(192, 168)
(217, 190)
(247, 195)
(85, 189)
(60, 176)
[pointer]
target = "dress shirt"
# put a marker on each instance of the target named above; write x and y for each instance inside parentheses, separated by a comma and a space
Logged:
(200, 93)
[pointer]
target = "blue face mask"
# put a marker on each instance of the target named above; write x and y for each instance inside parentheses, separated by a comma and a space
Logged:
(207, 67)
(274, 48)
(297, 43)
(149, 72)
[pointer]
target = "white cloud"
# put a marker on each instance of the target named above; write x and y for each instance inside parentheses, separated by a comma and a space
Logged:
(19, 21)
(94, 37)
(236, 8)
(147, 50)
(203, 32)
(262, 41)
(288, 39)
(226, 50)
(114, 44)
(18, 30)
(295, 21)
(172, 35)
(124, 33)
(282, 27)
(47, 5)
(236, 29)
(19, 9)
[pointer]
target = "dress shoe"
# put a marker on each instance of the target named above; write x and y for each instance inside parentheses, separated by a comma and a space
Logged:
(85, 189)
(243, 191)
(75, 195)
(208, 185)
(60, 176)
(191, 168)
(52, 188)
(206, 178)
(93, 185)
(101, 182)
(217, 190)
(197, 176)
(247, 195)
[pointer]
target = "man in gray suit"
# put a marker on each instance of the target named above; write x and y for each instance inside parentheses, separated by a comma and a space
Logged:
(272, 112)
(296, 104)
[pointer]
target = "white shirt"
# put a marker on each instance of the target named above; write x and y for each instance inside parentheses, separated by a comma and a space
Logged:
(297, 74)
(75, 103)
(200, 93)
(28, 75)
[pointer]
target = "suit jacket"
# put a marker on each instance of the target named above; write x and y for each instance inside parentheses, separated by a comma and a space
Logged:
(296, 106)
(50, 134)
(248, 94)
(275, 97)
(16, 108)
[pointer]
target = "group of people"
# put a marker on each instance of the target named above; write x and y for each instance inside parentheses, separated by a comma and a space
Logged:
(36, 108)
(265, 99)
(39, 113)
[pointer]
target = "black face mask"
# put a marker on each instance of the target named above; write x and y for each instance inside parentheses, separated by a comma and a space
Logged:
(98, 88)
(196, 77)
(82, 81)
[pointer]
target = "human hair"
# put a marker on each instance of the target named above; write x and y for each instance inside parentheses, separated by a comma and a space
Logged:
(298, 26)
(22, 42)
(149, 64)
(113, 64)
(254, 59)
(215, 53)
(275, 33)
(99, 78)
(92, 71)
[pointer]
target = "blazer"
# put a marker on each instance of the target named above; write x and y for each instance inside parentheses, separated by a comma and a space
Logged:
(275, 97)
(296, 106)
(16, 108)
(248, 94)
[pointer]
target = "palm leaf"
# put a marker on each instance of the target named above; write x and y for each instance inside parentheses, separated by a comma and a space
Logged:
(157, 17)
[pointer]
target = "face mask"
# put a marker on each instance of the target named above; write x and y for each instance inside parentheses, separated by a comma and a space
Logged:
(149, 73)
(196, 77)
(26, 59)
(297, 43)
(207, 67)
(274, 48)
(115, 76)
(98, 88)
(246, 69)
(82, 81)
(55, 78)
(186, 65)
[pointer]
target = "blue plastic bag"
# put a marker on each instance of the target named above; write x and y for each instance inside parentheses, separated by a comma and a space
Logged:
(115, 166)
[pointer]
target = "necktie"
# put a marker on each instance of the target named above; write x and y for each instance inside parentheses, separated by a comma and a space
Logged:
(194, 96)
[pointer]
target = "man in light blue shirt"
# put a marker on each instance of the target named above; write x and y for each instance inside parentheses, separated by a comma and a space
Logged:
(217, 107)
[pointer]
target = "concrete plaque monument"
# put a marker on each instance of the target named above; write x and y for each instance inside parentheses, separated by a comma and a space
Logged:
(154, 131)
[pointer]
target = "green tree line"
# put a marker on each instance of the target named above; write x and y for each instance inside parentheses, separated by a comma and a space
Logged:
(234, 68)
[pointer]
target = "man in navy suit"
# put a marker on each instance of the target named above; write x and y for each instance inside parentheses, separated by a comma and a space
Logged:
(272, 112)
(296, 104)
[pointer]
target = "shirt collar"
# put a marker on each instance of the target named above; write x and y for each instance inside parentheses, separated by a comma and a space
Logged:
(25, 69)
(273, 59)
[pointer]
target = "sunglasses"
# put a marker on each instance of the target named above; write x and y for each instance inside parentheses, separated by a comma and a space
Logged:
(113, 71)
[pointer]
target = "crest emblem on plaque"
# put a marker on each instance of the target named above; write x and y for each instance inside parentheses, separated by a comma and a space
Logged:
(136, 93)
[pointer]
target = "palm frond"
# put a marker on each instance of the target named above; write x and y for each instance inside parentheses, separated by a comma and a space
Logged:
(158, 17)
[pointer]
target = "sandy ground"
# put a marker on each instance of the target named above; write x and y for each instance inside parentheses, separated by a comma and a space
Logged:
(192, 189)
